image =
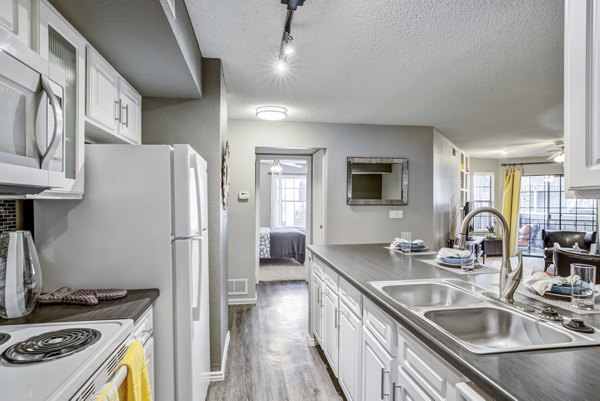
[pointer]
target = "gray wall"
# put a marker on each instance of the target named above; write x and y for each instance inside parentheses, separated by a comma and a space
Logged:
(202, 124)
(446, 186)
(345, 224)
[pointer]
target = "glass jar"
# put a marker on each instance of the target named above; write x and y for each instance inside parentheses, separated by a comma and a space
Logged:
(20, 274)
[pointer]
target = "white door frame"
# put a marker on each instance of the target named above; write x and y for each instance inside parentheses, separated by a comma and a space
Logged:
(309, 182)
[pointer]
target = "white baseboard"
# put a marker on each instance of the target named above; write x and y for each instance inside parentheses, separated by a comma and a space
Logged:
(242, 301)
(219, 375)
(311, 341)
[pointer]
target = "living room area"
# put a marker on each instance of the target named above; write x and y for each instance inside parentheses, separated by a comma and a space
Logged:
(551, 226)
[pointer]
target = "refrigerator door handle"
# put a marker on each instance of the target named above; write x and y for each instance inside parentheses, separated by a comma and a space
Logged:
(195, 165)
(193, 237)
(198, 300)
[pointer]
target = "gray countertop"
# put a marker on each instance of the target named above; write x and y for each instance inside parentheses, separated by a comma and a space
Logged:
(559, 374)
(131, 306)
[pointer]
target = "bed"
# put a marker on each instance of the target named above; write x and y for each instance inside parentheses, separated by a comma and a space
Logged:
(282, 243)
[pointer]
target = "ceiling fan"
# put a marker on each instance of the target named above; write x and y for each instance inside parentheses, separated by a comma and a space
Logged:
(285, 163)
(559, 155)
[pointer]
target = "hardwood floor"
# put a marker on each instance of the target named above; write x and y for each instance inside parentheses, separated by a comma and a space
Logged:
(269, 359)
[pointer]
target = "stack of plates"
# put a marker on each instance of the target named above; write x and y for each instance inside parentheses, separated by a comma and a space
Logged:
(452, 261)
(413, 247)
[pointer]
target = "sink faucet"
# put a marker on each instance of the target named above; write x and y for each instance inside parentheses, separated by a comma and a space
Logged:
(509, 278)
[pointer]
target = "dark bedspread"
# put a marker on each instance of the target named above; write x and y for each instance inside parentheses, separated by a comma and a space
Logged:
(288, 243)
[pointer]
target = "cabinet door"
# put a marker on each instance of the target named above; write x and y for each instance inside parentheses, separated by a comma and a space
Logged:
(350, 357)
(582, 101)
(64, 49)
(130, 125)
(407, 390)
(376, 370)
(149, 350)
(318, 314)
(102, 103)
(15, 18)
(330, 328)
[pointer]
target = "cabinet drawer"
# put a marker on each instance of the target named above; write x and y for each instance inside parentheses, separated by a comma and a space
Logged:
(330, 278)
(144, 327)
(351, 297)
(425, 367)
(407, 390)
(317, 267)
(380, 325)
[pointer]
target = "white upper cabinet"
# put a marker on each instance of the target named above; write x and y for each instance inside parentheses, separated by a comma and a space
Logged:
(113, 107)
(64, 48)
(15, 17)
(131, 112)
(102, 106)
(582, 97)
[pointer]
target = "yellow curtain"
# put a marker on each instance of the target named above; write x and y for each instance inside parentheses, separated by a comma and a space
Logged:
(510, 203)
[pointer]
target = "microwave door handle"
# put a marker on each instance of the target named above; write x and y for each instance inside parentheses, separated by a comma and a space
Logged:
(57, 132)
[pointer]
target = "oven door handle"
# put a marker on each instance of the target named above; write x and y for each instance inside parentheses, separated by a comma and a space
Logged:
(57, 131)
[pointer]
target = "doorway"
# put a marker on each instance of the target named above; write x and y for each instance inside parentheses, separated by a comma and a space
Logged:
(284, 209)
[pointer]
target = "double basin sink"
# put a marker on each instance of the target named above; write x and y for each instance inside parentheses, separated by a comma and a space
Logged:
(477, 322)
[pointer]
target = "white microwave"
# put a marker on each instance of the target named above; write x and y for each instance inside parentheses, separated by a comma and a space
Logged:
(31, 125)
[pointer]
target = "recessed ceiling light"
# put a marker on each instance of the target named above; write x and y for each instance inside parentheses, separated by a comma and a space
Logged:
(271, 113)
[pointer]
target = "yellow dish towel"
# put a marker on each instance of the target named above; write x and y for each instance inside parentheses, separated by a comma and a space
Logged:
(108, 393)
(136, 387)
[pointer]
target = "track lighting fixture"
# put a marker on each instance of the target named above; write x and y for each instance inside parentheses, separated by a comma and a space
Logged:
(286, 48)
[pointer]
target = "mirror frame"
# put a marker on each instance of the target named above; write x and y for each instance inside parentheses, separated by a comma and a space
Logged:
(374, 160)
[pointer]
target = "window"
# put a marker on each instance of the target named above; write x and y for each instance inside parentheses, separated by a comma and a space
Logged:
(483, 196)
(543, 206)
(290, 199)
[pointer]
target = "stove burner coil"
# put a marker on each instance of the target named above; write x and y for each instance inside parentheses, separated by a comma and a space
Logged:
(51, 345)
(4, 337)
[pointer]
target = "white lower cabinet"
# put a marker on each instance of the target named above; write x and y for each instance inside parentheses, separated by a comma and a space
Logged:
(373, 357)
(350, 333)
(330, 327)
(317, 308)
(376, 369)
(405, 389)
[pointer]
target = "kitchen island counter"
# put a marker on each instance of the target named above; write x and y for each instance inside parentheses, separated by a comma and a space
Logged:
(557, 374)
(131, 306)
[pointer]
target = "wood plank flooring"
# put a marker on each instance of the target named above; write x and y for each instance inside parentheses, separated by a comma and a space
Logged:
(269, 359)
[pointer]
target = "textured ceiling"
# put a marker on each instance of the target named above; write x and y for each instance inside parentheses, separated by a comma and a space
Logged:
(487, 73)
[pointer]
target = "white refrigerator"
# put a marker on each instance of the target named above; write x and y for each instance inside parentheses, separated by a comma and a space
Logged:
(142, 223)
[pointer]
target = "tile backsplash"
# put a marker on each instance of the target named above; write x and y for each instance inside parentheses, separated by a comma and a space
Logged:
(8, 215)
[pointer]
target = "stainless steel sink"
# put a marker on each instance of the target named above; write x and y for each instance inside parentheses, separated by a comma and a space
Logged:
(430, 294)
(477, 322)
(492, 329)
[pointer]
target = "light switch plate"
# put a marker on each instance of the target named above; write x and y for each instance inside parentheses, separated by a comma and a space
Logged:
(396, 214)
(244, 195)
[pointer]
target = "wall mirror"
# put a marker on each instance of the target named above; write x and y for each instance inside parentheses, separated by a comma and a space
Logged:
(377, 181)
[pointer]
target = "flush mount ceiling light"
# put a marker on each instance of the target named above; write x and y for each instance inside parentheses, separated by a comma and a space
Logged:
(286, 48)
(271, 113)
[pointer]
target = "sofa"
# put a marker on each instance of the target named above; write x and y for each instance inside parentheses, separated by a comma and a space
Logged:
(563, 259)
(566, 239)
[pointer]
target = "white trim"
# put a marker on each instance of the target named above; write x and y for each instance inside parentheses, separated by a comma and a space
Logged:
(311, 340)
(219, 375)
(242, 301)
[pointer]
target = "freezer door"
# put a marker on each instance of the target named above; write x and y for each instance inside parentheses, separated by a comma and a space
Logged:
(189, 186)
(192, 324)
